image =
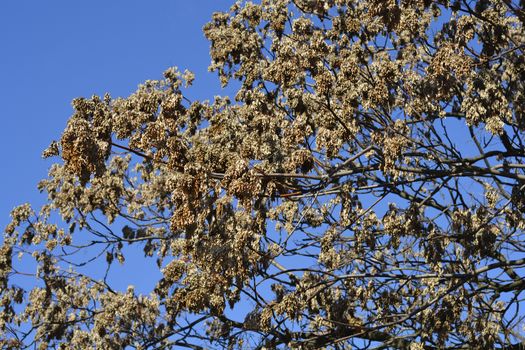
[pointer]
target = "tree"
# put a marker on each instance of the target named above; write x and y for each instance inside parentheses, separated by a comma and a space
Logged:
(364, 188)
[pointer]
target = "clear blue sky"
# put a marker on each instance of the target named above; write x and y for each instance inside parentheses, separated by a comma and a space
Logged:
(55, 50)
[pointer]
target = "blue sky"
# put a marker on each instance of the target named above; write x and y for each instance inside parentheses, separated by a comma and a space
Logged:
(55, 50)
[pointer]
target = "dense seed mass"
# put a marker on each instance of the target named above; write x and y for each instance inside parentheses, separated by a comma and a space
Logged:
(364, 187)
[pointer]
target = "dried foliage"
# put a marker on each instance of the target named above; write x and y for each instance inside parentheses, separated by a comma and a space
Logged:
(363, 189)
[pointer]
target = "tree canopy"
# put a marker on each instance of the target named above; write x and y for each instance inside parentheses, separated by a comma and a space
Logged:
(364, 188)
